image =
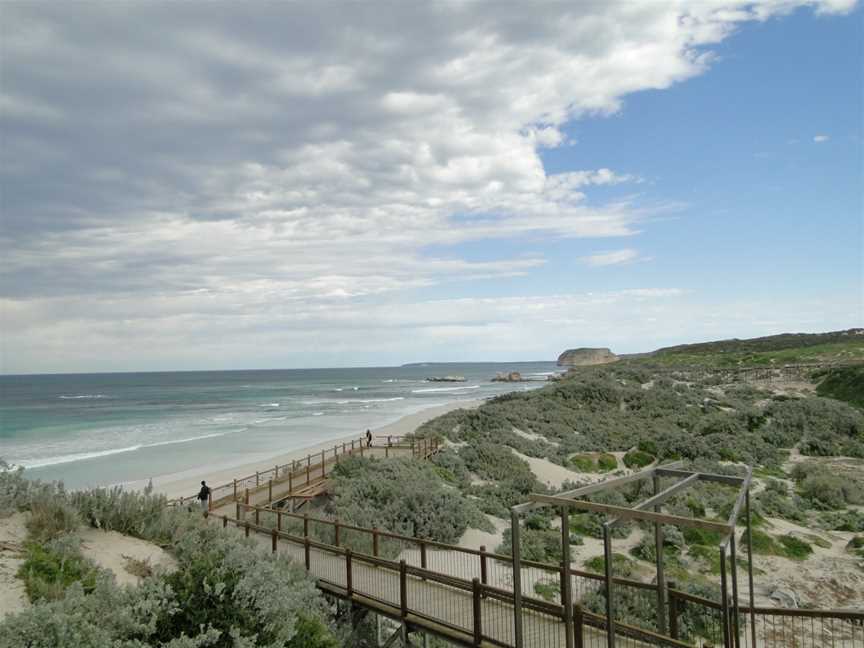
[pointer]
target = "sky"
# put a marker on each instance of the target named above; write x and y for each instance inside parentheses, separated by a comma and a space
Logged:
(221, 186)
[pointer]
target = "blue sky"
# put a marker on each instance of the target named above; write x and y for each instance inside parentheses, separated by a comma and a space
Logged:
(312, 185)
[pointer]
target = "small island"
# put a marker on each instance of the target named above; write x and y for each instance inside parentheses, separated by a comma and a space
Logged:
(447, 379)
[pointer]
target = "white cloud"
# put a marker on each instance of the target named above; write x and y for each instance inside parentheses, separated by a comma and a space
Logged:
(615, 257)
(821, 138)
(302, 155)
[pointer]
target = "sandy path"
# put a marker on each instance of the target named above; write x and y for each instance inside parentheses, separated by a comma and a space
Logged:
(188, 484)
(109, 550)
(13, 598)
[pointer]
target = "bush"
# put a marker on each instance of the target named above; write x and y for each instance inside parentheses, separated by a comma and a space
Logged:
(622, 566)
(795, 548)
(637, 459)
(50, 568)
(607, 462)
(403, 496)
(226, 593)
(51, 517)
(831, 491)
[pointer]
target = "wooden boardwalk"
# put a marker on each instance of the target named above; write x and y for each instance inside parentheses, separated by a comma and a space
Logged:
(463, 595)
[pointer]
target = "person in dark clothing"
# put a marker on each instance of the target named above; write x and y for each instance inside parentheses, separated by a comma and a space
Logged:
(368, 439)
(204, 495)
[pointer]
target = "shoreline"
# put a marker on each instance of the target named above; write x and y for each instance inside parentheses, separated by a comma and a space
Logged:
(187, 482)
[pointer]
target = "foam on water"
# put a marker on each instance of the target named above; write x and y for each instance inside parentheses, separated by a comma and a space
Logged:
(443, 389)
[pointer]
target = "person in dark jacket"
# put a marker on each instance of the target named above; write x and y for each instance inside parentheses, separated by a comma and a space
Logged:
(204, 496)
(368, 439)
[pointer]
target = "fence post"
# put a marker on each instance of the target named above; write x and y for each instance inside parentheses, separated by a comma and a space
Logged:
(349, 585)
(336, 532)
(246, 524)
(375, 541)
(257, 517)
(403, 589)
(273, 536)
(308, 469)
(224, 521)
(323, 461)
(673, 611)
(270, 491)
(305, 525)
(478, 616)
(306, 552)
(290, 482)
(235, 489)
(276, 472)
(257, 479)
(237, 502)
(387, 451)
(279, 520)
(246, 497)
(577, 626)
(483, 572)
(423, 554)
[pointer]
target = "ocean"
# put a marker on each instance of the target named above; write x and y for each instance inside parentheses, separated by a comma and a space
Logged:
(101, 429)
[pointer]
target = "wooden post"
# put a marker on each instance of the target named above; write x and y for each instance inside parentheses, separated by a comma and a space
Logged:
(483, 571)
(673, 611)
(269, 491)
(610, 608)
(237, 502)
(579, 641)
(724, 596)
(517, 578)
(279, 520)
(235, 489)
(403, 589)
(349, 585)
(306, 553)
(323, 461)
(290, 482)
(305, 525)
(659, 558)
(478, 616)
(308, 468)
(224, 521)
(257, 517)
(386, 451)
(257, 479)
(736, 627)
(246, 524)
(273, 536)
(375, 541)
(276, 472)
(336, 532)
(566, 592)
(423, 554)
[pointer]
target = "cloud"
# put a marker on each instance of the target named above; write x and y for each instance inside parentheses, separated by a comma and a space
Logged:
(615, 257)
(174, 161)
(821, 138)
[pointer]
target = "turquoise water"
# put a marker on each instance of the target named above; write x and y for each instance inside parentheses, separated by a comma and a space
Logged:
(97, 429)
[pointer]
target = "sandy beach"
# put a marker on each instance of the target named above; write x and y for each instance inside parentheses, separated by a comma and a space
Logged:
(188, 482)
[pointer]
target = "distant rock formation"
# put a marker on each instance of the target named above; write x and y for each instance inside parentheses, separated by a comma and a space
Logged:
(446, 379)
(512, 376)
(585, 357)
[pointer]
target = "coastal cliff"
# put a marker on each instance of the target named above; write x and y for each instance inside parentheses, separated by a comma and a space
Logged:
(585, 357)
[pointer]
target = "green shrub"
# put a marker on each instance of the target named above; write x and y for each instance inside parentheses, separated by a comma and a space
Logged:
(795, 548)
(637, 459)
(831, 491)
(606, 462)
(403, 496)
(622, 566)
(583, 463)
(548, 590)
(51, 517)
(844, 383)
(50, 568)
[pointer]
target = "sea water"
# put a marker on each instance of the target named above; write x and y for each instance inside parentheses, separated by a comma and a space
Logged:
(98, 429)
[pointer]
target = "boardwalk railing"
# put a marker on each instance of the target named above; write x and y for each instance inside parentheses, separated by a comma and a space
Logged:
(693, 620)
(300, 473)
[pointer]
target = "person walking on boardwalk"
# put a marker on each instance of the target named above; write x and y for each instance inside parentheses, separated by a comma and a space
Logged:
(204, 495)
(368, 439)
